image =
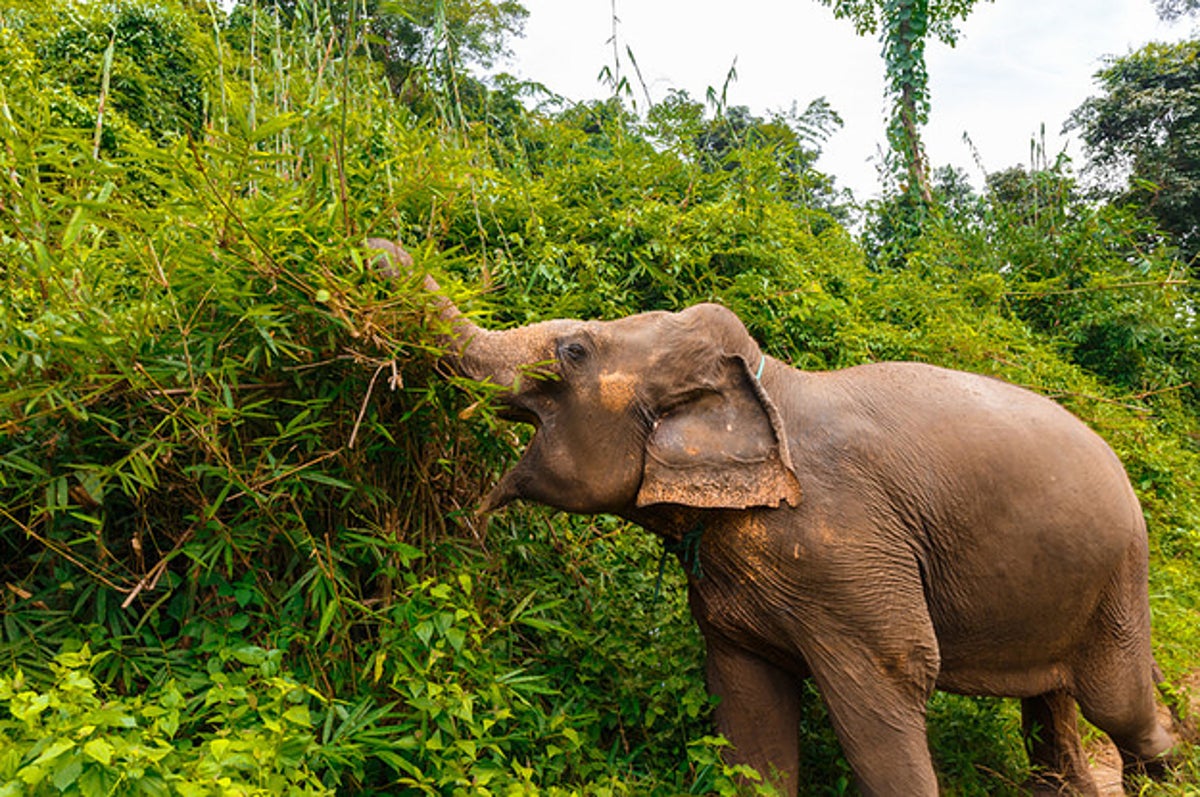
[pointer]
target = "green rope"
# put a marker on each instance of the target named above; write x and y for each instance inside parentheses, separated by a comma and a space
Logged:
(687, 548)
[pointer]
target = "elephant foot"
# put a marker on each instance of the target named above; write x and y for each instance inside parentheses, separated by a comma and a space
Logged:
(1055, 752)
(1049, 785)
(1156, 756)
(1160, 768)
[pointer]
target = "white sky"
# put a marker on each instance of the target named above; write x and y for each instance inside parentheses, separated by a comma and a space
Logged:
(1019, 65)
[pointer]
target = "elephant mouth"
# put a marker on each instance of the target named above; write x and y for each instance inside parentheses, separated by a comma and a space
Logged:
(519, 480)
(519, 408)
(519, 414)
(514, 483)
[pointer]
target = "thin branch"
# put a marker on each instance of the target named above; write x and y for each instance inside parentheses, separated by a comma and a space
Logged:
(184, 391)
(150, 579)
(1091, 288)
(362, 410)
(250, 489)
(1160, 391)
(62, 550)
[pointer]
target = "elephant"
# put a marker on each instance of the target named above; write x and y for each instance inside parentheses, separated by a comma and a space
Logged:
(884, 530)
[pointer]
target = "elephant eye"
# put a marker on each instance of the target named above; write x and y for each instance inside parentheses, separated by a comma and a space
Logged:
(572, 352)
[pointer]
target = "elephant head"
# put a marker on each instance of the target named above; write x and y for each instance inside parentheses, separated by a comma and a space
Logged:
(654, 410)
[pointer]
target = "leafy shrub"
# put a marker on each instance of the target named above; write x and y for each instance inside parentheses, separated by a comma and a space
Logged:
(156, 63)
(245, 728)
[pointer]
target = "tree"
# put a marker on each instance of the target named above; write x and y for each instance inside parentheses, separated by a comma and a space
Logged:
(411, 37)
(1174, 9)
(904, 26)
(1143, 134)
(156, 62)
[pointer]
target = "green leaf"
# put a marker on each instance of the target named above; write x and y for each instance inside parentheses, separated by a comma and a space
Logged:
(56, 748)
(424, 632)
(327, 615)
(456, 637)
(251, 655)
(32, 775)
(324, 478)
(99, 750)
(274, 126)
(67, 772)
(406, 553)
(219, 748)
(298, 715)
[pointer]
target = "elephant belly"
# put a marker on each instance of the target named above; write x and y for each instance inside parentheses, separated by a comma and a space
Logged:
(1030, 559)
(1015, 619)
(1025, 681)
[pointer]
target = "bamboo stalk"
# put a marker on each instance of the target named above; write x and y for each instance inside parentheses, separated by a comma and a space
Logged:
(212, 12)
(105, 79)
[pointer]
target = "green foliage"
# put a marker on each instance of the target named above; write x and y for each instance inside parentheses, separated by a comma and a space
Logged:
(869, 16)
(424, 46)
(1143, 132)
(903, 27)
(155, 73)
(242, 728)
(1105, 288)
(228, 467)
(978, 744)
(190, 345)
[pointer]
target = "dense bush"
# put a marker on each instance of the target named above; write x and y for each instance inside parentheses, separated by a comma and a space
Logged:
(236, 500)
(250, 732)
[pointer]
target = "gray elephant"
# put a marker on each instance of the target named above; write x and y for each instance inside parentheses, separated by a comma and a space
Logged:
(885, 530)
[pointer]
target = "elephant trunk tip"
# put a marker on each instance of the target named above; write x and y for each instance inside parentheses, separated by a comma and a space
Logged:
(393, 261)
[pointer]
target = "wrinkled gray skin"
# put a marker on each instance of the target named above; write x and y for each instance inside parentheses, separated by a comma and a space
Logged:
(885, 530)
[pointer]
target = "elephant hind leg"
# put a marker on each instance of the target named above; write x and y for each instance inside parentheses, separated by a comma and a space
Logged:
(1133, 725)
(1051, 732)
(1115, 681)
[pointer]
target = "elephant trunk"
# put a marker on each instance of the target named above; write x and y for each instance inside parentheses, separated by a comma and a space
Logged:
(469, 350)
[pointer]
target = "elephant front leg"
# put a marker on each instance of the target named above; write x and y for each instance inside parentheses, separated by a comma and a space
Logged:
(876, 699)
(758, 712)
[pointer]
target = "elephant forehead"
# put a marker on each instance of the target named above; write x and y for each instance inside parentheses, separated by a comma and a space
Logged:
(636, 333)
(617, 390)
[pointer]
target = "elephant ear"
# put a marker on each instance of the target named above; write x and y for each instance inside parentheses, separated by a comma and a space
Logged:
(722, 447)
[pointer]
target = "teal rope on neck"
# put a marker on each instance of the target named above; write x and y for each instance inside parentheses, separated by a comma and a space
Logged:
(687, 548)
(761, 364)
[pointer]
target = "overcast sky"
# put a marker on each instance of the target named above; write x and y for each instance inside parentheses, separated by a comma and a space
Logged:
(1019, 65)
